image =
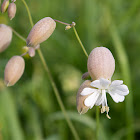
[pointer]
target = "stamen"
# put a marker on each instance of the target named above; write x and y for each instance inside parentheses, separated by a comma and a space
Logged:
(107, 110)
(108, 116)
(103, 109)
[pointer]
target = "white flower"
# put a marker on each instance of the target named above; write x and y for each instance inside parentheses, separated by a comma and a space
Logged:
(98, 90)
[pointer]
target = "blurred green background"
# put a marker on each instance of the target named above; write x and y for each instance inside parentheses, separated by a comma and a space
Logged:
(29, 110)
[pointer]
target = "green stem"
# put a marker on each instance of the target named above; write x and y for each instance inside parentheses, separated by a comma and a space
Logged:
(97, 122)
(76, 34)
(125, 68)
(52, 82)
(29, 13)
(80, 42)
(58, 96)
(62, 22)
(17, 34)
(85, 52)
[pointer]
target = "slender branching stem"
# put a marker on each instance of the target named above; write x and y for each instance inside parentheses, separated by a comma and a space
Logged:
(85, 52)
(17, 34)
(76, 34)
(97, 122)
(80, 42)
(29, 13)
(52, 82)
(57, 95)
(62, 22)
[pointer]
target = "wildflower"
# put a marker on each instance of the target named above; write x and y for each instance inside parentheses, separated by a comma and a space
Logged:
(101, 66)
(11, 10)
(4, 6)
(14, 70)
(41, 31)
(5, 36)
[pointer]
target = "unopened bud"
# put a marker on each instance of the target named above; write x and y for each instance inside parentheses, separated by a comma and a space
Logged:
(31, 52)
(4, 6)
(11, 10)
(80, 99)
(41, 31)
(14, 70)
(67, 27)
(85, 75)
(5, 37)
(101, 63)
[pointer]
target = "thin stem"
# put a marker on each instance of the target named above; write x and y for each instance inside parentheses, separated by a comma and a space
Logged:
(62, 22)
(57, 95)
(85, 52)
(80, 42)
(97, 122)
(17, 34)
(29, 13)
(52, 82)
(76, 34)
(24, 54)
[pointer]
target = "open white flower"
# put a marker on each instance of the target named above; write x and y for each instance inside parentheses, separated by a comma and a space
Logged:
(97, 93)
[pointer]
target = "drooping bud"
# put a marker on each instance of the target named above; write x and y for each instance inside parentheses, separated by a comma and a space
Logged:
(14, 70)
(31, 52)
(11, 10)
(82, 109)
(41, 31)
(4, 6)
(85, 75)
(101, 63)
(5, 37)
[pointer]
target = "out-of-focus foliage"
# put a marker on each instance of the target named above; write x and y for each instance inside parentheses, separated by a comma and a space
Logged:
(29, 110)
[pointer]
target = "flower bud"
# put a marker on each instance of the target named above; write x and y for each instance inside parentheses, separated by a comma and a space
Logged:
(41, 31)
(5, 37)
(11, 10)
(82, 109)
(101, 63)
(4, 6)
(85, 75)
(31, 52)
(14, 70)
(67, 27)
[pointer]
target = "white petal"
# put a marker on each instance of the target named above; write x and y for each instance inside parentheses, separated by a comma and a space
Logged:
(99, 100)
(104, 83)
(87, 91)
(116, 83)
(90, 100)
(96, 84)
(117, 98)
(121, 89)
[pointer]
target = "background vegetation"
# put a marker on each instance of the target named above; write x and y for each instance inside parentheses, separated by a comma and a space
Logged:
(29, 110)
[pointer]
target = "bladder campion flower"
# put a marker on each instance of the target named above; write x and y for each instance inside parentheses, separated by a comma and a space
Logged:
(5, 36)
(101, 66)
(41, 31)
(14, 70)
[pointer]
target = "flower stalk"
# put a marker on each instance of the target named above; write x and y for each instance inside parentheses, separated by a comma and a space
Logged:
(85, 52)
(52, 82)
